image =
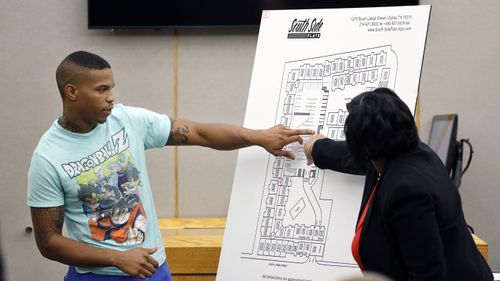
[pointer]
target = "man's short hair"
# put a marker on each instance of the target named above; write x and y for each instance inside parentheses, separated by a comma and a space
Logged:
(379, 126)
(75, 64)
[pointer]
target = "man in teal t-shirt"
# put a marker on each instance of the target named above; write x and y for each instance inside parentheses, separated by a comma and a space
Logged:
(89, 171)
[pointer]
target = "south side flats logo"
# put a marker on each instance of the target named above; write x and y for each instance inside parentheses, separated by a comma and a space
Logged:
(305, 29)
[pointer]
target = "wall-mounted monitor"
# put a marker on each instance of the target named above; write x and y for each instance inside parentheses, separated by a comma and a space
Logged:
(157, 14)
(443, 138)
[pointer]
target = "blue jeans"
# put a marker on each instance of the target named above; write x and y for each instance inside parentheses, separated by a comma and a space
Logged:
(161, 274)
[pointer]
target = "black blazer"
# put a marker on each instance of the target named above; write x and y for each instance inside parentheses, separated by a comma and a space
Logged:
(415, 228)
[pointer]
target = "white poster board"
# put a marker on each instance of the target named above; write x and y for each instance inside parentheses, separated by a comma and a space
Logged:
(286, 220)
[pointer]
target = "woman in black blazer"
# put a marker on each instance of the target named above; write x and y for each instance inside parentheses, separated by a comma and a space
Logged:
(411, 225)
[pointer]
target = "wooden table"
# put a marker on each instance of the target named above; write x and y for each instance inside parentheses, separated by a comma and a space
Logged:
(481, 246)
(193, 247)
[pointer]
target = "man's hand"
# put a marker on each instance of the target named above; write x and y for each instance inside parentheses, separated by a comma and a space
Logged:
(137, 262)
(308, 147)
(48, 223)
(275, 138)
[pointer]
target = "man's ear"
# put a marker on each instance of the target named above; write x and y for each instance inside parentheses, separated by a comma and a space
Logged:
(70, 91)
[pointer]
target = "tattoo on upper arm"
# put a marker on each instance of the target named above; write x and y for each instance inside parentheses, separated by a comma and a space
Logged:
(47, 222)
(179, 135)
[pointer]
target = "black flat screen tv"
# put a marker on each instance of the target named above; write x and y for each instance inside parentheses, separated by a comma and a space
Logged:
(443, 138)
(159, 14)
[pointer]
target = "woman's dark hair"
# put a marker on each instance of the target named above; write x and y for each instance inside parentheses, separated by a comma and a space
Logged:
(379, 126)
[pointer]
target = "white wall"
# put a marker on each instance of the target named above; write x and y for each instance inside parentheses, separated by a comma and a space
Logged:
(460, 70)
(460, 75)
(215, 67)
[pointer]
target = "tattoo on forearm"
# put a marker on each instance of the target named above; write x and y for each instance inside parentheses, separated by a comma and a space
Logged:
(47, 221)
(179, 135)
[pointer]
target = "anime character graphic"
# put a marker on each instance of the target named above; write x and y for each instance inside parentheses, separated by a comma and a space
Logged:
(110, 199)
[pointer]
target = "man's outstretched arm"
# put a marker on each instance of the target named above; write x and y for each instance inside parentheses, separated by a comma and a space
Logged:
(229, 137)
(48, 223)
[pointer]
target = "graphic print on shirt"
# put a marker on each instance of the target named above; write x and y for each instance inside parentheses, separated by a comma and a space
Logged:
(109, 190)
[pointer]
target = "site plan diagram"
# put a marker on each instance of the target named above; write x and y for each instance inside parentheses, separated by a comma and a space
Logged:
(287, 220)
(294, 217)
